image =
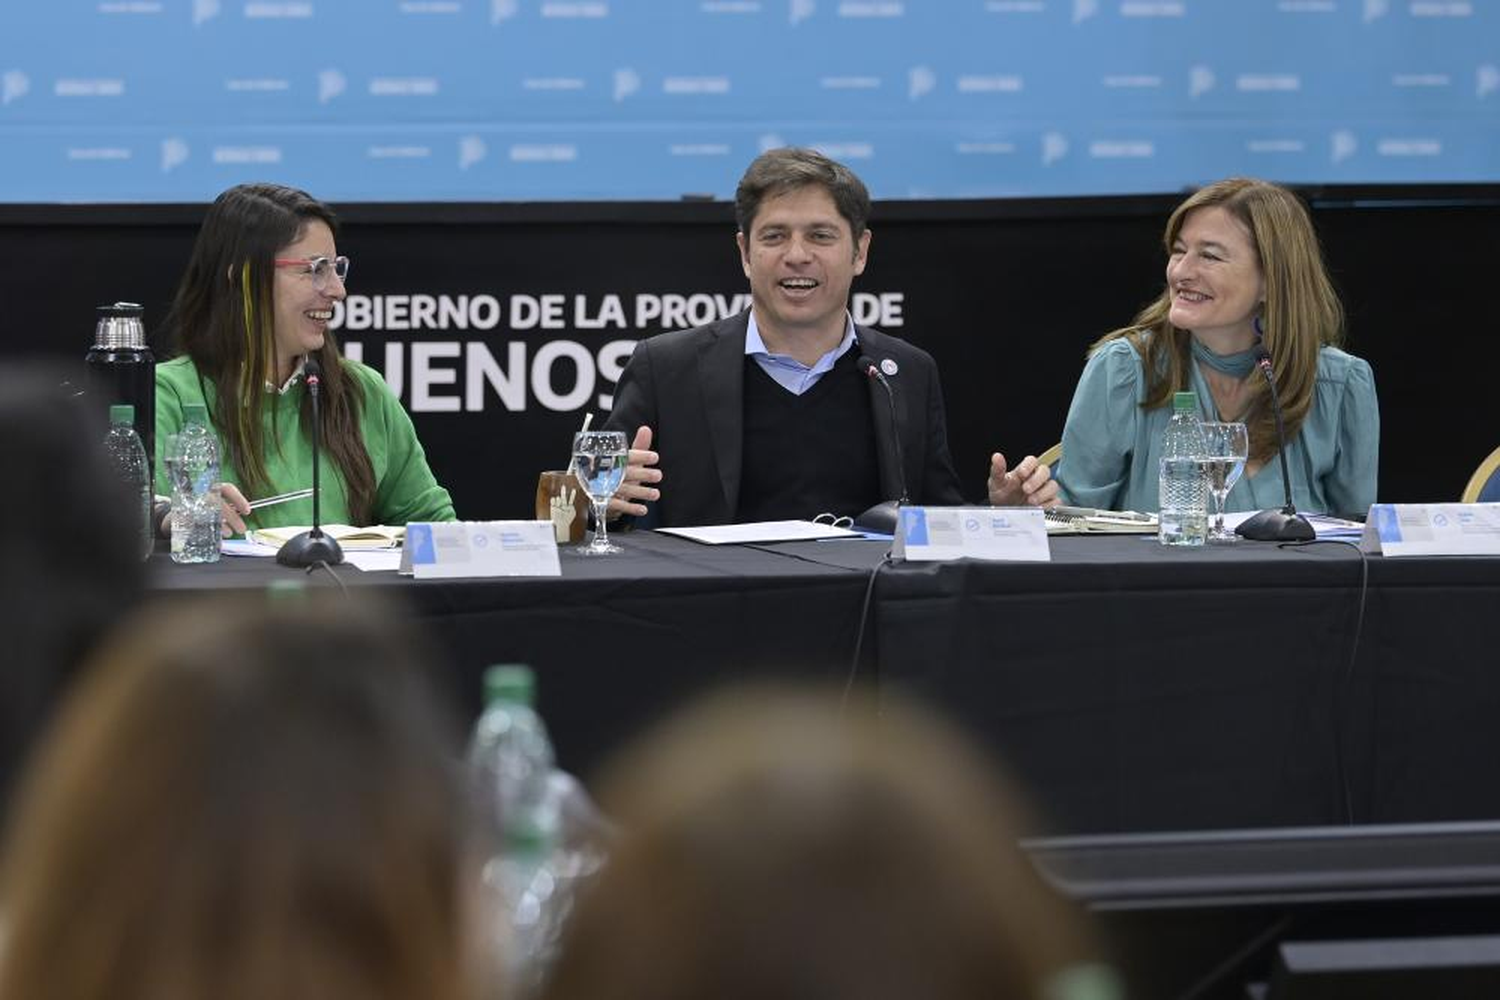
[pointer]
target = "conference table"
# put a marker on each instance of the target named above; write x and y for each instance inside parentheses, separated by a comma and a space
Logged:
(1129, 687)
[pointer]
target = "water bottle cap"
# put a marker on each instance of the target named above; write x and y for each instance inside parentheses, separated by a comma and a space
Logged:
(512, 682)
(1185, 402)
(121, 413)
(195, 413)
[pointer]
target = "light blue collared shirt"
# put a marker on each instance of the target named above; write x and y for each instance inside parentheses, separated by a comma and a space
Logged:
(789, 373)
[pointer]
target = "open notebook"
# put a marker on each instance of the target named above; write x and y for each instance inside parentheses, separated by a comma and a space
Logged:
(376, 536)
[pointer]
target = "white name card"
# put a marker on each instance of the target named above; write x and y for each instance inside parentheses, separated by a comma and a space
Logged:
(439, 549)
(1432, 529)
(937, 534)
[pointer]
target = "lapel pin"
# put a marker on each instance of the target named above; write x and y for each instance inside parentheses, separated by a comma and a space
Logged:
(889, 367)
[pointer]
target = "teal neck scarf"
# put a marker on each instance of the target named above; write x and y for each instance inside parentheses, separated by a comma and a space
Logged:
(1236, 365)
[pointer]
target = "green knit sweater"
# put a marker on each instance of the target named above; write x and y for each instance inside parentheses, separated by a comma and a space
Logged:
(405, 487)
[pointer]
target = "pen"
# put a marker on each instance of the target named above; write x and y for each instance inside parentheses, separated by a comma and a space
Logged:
(279, 498)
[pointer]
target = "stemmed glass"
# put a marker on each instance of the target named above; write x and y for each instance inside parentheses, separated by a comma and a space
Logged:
(599, 459)
(1226, 447)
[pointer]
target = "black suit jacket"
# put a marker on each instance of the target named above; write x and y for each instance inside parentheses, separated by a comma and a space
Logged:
(688, 386)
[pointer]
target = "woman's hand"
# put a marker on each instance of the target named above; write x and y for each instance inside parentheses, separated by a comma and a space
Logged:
(1030, 484)
(235, 508)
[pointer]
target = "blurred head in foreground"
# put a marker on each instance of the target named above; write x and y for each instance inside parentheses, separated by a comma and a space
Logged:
(244, 800)
(773, 849)
(71, 562)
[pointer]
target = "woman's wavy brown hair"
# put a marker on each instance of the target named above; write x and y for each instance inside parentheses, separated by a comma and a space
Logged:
(1300, 314)
(224, 319)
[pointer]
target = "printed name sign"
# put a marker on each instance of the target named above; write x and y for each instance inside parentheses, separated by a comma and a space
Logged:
(1432, 529)
(441, 549)
(938, 534)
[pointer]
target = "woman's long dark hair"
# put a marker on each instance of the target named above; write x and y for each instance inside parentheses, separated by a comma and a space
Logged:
(224, 319)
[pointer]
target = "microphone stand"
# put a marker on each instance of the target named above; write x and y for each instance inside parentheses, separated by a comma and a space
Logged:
(883, 516)
(312, 547)
(1271, 525)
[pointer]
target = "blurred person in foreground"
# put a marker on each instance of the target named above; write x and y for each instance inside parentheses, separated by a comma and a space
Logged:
(254, 303)
(1244, 271)
(242, 802)
(771, 848)
(72, 559)
(767, 415)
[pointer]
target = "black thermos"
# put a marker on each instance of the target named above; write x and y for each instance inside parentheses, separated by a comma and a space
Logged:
(123, 370)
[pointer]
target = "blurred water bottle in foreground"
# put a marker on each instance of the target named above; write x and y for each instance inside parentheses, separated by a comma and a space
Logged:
(547, 832)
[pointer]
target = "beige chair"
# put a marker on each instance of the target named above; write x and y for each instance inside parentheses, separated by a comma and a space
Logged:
(1484, 485)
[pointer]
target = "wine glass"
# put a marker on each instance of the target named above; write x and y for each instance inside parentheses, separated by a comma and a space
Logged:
(1226, 446)
(599, 459)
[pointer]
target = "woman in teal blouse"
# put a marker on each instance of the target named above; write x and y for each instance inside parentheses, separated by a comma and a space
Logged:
(1243, 270)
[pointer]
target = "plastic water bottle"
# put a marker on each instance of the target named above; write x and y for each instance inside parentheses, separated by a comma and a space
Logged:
(1183, 485)
(511, 760)
(192, 460)
(127, 457)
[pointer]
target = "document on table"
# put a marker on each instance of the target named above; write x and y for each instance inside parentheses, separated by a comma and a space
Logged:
(761, 531)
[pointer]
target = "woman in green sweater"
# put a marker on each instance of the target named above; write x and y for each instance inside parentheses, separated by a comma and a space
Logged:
(255, 301)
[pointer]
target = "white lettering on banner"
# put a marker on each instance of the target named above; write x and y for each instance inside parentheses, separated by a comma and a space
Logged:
(442, 312)
(424, 376)
(611, 313)
(555, 373)
(541, 375)
(482, 369)
(649, 312)
(98, 153)
(483, 372)
(70, 87)
(528, 312)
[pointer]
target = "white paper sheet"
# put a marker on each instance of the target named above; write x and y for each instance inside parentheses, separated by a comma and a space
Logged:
(761, 531)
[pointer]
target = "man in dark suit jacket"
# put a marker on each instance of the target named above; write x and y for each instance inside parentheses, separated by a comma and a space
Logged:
(774, 413)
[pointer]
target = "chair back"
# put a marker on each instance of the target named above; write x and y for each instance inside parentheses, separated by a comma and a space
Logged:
(1484, 484)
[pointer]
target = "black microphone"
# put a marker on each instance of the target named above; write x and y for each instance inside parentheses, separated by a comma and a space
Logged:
(312, 547)
(882, 516)
(1284, 525)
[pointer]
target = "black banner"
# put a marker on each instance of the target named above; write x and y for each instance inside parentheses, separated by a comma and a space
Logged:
(501, 325)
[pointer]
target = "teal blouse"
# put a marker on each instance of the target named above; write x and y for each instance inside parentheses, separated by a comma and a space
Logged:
(1111, 447)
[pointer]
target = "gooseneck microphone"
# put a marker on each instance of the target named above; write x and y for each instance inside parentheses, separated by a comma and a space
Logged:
(312, 547)
(882, 516)
(1271, 525)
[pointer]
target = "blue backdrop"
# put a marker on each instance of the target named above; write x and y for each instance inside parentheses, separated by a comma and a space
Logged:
(421, 100)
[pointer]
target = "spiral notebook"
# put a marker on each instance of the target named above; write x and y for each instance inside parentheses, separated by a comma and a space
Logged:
(1089, 521)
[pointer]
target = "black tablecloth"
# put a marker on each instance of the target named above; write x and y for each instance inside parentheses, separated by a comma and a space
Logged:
(1129, 686)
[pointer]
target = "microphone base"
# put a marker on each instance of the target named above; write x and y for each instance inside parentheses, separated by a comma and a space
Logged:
(309, 549)
(1284, 525)
(879, 519)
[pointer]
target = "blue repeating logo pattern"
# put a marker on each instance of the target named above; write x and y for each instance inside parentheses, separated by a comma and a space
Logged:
(417, 100)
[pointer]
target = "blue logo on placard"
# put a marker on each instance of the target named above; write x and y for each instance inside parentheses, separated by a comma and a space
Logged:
(419, 543)
(914, 525)
(1386, 525)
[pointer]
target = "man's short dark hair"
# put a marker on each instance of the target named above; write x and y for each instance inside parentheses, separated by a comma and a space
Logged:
(777, 171)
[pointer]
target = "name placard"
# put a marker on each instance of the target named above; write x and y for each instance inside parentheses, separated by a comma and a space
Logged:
(437, 549)
(938, 534)
(1432, 529)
